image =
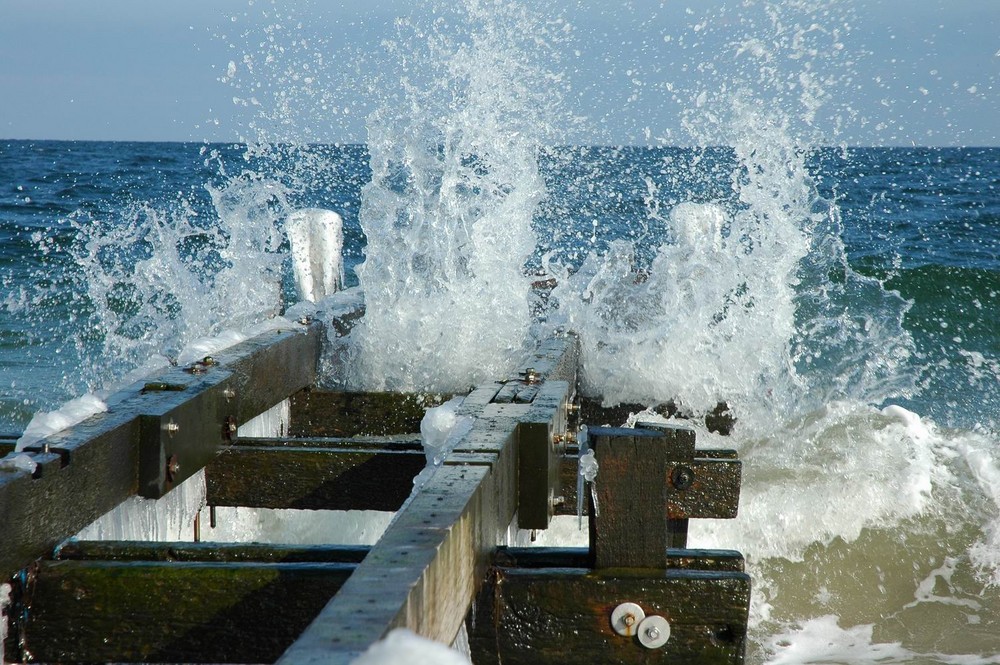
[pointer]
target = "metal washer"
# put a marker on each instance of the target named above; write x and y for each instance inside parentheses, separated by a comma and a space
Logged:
(619, 619)
(653, 632)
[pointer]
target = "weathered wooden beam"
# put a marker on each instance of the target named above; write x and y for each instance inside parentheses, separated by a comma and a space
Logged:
(117, 550)
(312, 478)
(325, 463)
(563, 615)
(541, 443)
(424, 572)
(94, 470)
(154, 434)
(323, 413)
(631, 493)
(553, 360)
(398, 442)
(182, 430)
(579, 557)
(594, 411)
(113, 611)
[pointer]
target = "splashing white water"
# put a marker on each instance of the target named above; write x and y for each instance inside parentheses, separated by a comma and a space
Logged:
(448, 213)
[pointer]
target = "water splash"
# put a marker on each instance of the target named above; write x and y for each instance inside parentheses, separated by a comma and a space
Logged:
(455, 185)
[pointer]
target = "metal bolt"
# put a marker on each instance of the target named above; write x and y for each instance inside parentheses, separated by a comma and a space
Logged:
(229, 393)
(229, 429)
(173, 466)
(565, 438)
(531, 376)
(173, 428)
(625, 617)
(653, 632)
(682, 478)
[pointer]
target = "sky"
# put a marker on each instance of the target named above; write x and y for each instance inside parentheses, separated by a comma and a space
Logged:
(892, 72)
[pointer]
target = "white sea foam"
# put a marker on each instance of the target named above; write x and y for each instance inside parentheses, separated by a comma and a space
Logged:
(404, 647)
(46, 423)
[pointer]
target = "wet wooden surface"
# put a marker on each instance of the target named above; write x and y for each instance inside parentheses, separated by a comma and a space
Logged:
(427, 568)
(563, 616)
(156, 611)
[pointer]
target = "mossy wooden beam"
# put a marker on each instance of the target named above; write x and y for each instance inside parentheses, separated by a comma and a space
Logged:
(323, 413)
(579, 557)
(108, 611)
(312, 478)
(558, 616)
(347, 474)
(127, 550)
(67, 490)
(153, 435)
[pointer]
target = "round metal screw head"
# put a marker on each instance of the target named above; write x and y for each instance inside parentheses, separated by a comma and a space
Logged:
(653, 632)
(682, 478)
(625, 617)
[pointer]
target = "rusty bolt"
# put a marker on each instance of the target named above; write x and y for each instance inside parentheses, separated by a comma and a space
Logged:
(566, 438)
(229, 428)
(173, 466)
(682, 478)
(625, 617)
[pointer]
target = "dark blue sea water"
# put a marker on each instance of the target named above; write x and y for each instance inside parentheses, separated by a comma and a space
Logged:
(926, 222)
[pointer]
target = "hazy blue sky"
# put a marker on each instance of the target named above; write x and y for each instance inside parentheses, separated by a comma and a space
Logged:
(926, 71)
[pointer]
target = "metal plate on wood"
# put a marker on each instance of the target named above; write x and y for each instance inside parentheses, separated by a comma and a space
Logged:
(541, 441)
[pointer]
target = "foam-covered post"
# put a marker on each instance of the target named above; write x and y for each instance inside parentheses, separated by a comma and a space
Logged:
(317, 240)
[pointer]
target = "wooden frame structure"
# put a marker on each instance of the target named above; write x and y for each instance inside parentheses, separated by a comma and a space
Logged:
(441, 564)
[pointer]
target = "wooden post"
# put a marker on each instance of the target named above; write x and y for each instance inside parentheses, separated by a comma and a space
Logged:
(629, 528)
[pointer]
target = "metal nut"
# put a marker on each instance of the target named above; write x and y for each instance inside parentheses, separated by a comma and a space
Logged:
(653, 631)
(173, 467)
(625, 618)
(682, 478)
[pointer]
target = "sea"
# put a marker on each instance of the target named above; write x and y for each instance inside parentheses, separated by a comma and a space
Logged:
(841, 300)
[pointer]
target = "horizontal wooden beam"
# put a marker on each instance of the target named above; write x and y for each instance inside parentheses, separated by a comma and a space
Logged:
(324, 413)
(580, 557)
(326, 474)
(312, 478)
(555, 616)
(193, 612)
(116, 550)
(154, 434)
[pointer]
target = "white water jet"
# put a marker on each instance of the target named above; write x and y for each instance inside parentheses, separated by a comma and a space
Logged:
(448, 212)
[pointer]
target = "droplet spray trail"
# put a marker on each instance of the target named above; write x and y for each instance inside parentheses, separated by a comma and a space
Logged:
(455, 185)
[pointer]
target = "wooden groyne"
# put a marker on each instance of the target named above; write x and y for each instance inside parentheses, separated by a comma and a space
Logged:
(445, 565)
